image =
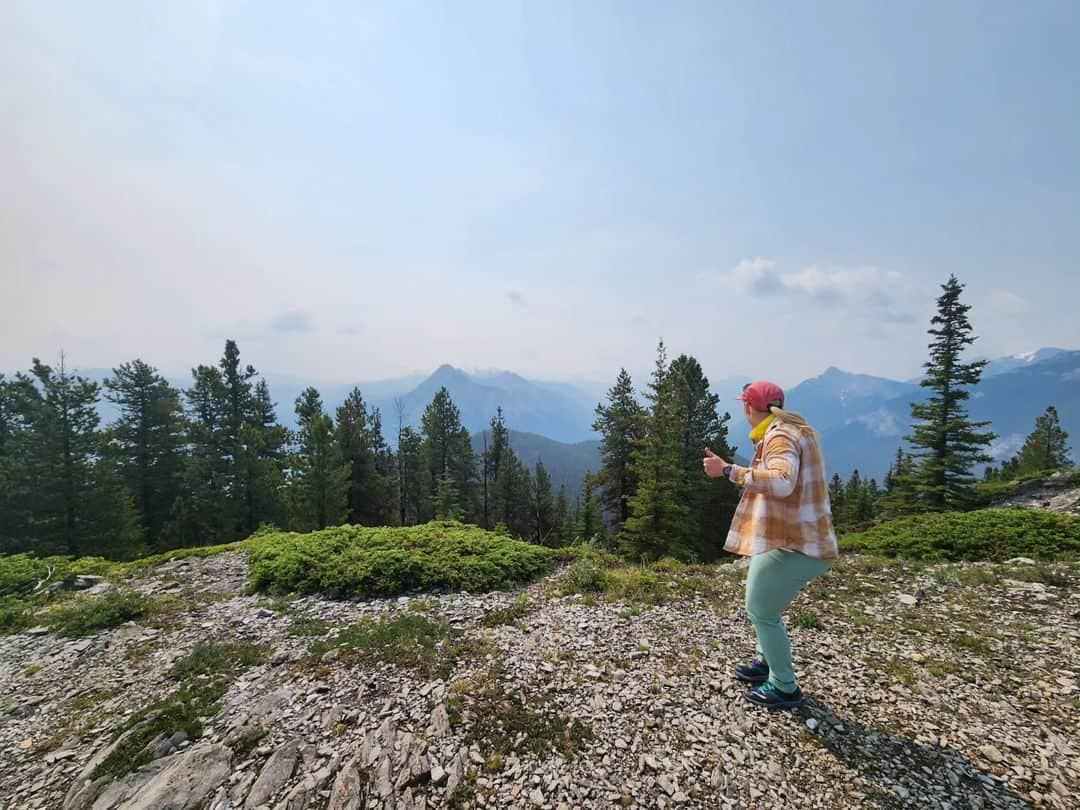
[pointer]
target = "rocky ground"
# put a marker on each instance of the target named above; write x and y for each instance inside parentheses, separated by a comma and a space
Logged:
(1052, 494)
(946, 686)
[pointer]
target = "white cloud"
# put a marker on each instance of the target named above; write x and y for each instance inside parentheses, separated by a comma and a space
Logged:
(890, 294)
(1004, 302)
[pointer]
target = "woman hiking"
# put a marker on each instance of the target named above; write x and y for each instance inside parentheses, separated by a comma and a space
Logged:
(784, 524)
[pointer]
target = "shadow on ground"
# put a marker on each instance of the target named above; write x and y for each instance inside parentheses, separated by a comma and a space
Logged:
(902, 773)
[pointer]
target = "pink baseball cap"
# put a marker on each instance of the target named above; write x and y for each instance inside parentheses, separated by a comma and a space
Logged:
(761, 395)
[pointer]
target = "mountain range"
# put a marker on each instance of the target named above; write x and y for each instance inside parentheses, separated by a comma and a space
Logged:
(862, 418)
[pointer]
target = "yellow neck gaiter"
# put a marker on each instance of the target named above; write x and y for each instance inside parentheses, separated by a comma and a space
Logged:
(758, 433)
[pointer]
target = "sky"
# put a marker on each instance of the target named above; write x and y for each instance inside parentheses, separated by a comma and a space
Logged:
(360, 191)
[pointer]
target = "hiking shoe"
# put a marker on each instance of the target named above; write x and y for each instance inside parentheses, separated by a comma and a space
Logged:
(757, 671)
(772, 697)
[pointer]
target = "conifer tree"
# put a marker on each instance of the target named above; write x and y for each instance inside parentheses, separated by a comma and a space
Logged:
(409, 462)
(72, 501)
(588, 524)
(836, 496)
(947, 443)
(373, 476)
(658, 522)
(19, 401)
(319, 477)
(146, 441)
(447, 450)
(711, 502)
(621, 425)
(898, 496)
(542, 506)
(1046, 447)
(560, 537)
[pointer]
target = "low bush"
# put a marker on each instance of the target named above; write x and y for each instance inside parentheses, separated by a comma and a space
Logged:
(365, 562)
(84, 616)
(988, 534)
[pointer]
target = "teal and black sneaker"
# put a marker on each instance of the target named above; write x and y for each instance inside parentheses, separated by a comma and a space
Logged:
(757, 671)
(772, 697)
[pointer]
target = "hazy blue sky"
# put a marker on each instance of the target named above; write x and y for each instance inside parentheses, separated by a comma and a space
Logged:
(356, 192)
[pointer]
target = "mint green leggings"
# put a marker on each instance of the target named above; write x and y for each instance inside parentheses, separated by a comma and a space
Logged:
(774, 580)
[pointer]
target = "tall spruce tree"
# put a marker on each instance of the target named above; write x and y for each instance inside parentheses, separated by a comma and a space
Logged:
(621, 425)
(447, 450)
(560, 537)
(898, 497)
(373, 474)
(588, 526)
(72, 500)
(836, 496)
(260, 468)
(1046, 447)
(203, 513)
(947, 443)
(318, 476)
(514, 488)
(542, 506)
(409, 460)
(147, 441)
(494, 464)
(19, 404)
(711, 502)
(233, 478)
(660, 522)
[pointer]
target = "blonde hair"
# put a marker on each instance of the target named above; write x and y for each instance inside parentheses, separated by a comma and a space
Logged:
(790, 417)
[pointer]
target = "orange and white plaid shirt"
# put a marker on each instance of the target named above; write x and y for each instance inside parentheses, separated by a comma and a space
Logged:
(785, 500)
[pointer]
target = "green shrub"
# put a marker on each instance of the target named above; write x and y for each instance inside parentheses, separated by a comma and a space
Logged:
(203, 677)
(364, 562)
(19, 573)
(214, 658)
(989, 534)
(807, 619)
(502, 722)
(409, 641)
(518, 610)
(585, 576)
(15, 615)
(86, 615)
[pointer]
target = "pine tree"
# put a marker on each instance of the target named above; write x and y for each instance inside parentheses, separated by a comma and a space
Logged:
(233, 479)
(514, 495)
(948, 444)
(410, 446)
(836, 497)
(658, 522)
(19, 405)
(621, 425)
(447, 499)
(711, 502)
(1046, 447)
(318, 475)
(853, 504)
(560, 537)
(447, 450)
(588, 525)
(495, 483)
(872, 498)
(899, 494)
(542, 506)
(146, 441)
(72, 502)
(204, 513)
(259, 470)
(373, 476)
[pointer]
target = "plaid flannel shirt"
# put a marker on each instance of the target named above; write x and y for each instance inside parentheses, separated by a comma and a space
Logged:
(785, 499)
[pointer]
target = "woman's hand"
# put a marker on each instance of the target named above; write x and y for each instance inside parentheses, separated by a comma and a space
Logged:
(713, 464)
